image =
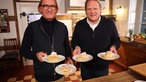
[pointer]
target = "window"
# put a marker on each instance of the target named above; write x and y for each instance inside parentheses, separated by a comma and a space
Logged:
(143, 24)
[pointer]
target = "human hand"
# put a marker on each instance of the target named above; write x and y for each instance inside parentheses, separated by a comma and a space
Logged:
(40, 55)
(69, 61)
(77, 50)
(113, 49)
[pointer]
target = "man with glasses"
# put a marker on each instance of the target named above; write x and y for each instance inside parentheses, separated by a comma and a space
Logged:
(44, 36)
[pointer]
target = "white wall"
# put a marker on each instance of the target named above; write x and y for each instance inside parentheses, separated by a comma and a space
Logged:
(60, 5)
(122, 19)
(8, 4)
(81, 4)
(22, 21)
(77, 3)
(105, 4)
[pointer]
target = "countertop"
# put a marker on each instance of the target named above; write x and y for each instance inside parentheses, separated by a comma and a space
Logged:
(139, 69)
(139, 43)
(125, 76)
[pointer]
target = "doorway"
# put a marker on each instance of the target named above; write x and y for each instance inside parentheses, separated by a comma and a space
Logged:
(23, 11)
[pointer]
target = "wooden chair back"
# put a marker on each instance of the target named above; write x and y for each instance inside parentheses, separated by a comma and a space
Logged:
(11, 52)
(11, 45)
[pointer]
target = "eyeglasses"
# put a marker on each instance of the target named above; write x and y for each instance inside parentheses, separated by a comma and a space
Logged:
(49, 6)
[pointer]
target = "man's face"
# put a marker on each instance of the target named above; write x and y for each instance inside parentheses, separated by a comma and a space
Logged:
(48, 9)
(93, 11)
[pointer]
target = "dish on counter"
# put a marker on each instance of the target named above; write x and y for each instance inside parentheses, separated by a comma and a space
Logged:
(108, 55)
(65, 69)
(83, 57)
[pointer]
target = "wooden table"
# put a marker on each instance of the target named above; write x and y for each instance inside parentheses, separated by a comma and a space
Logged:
(118, 77)
(139, 69)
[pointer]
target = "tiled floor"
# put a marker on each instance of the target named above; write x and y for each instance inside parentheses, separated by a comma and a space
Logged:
(25, 74)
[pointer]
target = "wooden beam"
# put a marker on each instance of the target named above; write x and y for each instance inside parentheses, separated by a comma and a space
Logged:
(110, 6)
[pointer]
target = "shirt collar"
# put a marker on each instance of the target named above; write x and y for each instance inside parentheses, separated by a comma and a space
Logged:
(93, 26)
(46, 21)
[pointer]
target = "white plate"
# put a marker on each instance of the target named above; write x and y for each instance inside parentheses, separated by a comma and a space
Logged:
(116, 56)
(89, 57)
(70, 69)
(60, 58)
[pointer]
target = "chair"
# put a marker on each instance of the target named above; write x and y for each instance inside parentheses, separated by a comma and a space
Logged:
(11, 51)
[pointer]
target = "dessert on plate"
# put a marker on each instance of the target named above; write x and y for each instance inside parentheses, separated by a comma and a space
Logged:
(53, 57)
(65, 69)
(108, 54)
(82, 56)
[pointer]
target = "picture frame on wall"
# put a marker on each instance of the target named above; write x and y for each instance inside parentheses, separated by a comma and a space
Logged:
(4, 22)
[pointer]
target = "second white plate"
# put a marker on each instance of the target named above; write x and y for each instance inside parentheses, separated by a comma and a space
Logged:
(89, 57)
(65, 69)
(100, 55)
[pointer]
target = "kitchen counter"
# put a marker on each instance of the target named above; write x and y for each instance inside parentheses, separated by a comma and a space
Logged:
(117, 77)
(135, 72)
(139, 69)
(141, 43)
(131, 52)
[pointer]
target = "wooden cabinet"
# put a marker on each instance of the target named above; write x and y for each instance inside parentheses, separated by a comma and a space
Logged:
(137, 54)
(131, 53)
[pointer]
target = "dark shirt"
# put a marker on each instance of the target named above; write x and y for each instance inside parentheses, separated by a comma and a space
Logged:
(93, 42)
(39, 36)
(48, 26)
